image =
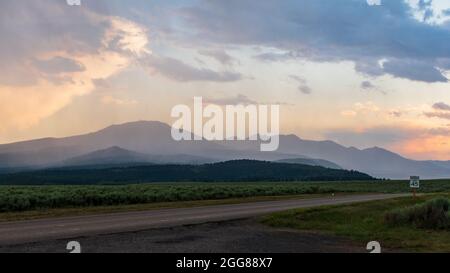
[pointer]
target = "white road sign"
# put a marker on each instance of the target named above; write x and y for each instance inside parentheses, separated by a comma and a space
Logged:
(414, 182)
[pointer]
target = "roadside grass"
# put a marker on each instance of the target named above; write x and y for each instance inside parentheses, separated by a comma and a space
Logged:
(433, 214)
(364, 222)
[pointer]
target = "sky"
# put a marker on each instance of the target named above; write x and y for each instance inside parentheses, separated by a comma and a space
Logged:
(363, 73)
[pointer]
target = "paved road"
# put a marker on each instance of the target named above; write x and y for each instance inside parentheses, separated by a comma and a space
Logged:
(12, 233)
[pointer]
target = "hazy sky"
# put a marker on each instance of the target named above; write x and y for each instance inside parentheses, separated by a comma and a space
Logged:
(362, 75)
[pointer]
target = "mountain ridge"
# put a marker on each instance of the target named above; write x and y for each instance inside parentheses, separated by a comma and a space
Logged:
(154, 138)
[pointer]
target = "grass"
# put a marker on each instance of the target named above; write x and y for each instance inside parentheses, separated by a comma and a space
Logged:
(433, 214)
(364, 222)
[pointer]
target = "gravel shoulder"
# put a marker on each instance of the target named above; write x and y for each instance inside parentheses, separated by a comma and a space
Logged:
(239, 236)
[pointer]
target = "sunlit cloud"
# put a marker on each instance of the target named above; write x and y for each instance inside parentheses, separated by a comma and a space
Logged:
(427, 147)
(62, 75)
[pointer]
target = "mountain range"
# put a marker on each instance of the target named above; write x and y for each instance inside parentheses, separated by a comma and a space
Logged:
(151, 142)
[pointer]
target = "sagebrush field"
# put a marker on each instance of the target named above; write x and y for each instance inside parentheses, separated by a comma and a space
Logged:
(25, 198)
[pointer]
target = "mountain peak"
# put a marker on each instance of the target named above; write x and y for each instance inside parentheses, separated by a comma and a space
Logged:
(377, 149)
(293, 136)
(140, 123)
(115, 149)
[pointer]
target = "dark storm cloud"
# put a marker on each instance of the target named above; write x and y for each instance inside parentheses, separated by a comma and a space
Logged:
(319, 30)
(324, 30)
(414, 70)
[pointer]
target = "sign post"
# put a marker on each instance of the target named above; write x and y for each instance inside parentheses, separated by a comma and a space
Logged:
(414, 184)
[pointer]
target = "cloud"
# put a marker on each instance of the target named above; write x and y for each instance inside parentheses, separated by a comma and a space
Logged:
(395, 113)
(431, 143)
(441, 115)
(29, 30)
(367, 85)
(352, 31)
(414, 70)
(441, 131)
(349, 113)
(58, 65)
(368, 137)
(219, 55)
(441, 106)
(182, 72)
(361, 108)
(277, 56)
(242, 99)
(426, 9)
(101, 84)
(303, 87)
(374, 2)
(127, 36)
(442, 111)
(425, 4)
(58, 51)
(110, 100)
(417, 142)
(366, 107)
(239, 99)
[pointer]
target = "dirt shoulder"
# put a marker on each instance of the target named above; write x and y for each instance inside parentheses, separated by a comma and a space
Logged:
(241, 236)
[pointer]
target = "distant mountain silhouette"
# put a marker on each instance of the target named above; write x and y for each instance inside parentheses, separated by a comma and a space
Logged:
(375, 161)
(147, 137)
(116, 156)
(441, 164)
(311, 162)
(152, 140)
(231, 171)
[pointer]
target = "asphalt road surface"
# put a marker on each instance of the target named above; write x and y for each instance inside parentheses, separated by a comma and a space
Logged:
(25, 232)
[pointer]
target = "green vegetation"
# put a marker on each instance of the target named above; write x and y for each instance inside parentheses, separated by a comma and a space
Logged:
(230, 171)
(433, 214)
(22, 198)
(25, 198)
(364, 222)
